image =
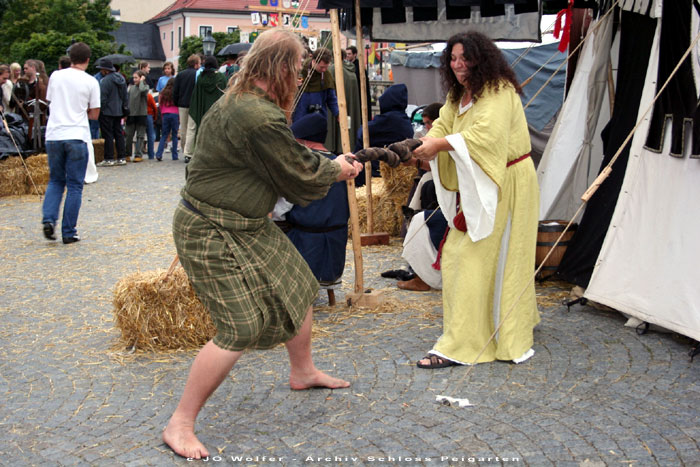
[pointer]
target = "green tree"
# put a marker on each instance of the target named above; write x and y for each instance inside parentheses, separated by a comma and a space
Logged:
(193, 44)
(44, 29)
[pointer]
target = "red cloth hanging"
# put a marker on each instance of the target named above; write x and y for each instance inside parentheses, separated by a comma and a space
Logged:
(566, 17)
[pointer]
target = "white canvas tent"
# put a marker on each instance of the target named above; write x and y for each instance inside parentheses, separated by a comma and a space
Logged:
(647, 267)
(573, 154)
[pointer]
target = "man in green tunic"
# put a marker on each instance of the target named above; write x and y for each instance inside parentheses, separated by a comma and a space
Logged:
(256, 286)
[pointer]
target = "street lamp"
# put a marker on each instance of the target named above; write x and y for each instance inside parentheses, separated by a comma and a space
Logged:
(208, 44)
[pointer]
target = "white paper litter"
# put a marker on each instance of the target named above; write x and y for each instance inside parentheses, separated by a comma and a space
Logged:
(447, 400)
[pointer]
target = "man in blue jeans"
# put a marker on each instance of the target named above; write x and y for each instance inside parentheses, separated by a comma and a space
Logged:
(74, 97)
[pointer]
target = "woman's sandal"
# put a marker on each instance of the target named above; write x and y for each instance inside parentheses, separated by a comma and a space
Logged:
(435, 362)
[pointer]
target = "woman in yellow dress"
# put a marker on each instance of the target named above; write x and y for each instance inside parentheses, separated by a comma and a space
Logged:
(487, 188)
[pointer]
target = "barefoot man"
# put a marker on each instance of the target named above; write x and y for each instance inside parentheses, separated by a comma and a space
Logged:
(256, 286)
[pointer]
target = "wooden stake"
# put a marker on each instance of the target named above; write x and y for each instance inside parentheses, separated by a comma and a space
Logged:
(371, 237)
(345, 142)
(364, 100)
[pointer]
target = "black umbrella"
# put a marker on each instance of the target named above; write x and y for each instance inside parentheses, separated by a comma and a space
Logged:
(234, 49)
(118, 58)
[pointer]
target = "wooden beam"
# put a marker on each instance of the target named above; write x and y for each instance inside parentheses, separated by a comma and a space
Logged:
(345, 142)
(364, 100)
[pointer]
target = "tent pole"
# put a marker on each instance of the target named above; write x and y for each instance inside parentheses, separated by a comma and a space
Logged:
(345, 142)
(364, 100)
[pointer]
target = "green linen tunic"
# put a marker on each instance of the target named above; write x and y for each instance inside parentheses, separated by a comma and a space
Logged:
(254, 283)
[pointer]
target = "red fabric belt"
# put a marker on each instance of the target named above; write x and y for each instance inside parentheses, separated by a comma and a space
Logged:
(460, 223)
(515, 161)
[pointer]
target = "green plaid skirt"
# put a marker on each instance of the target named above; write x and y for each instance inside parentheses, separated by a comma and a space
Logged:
(246, 272)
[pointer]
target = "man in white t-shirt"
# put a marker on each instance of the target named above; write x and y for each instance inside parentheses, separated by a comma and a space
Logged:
(74, 97)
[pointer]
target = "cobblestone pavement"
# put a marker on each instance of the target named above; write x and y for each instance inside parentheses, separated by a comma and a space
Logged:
(595, 393)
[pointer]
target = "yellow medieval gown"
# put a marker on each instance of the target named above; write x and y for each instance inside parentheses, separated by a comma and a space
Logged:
(485, 269)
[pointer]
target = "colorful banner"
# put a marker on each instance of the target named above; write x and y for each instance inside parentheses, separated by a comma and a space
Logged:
(305, 22)
(255, 18)
(286, 21)
(372, 53)
(263, 19)
(273, 20)
(286, 3)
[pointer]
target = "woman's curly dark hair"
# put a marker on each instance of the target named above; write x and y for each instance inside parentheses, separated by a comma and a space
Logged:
(489, 67)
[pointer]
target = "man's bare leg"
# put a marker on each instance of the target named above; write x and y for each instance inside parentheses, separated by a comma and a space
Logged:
(209, 369)
(304, 374)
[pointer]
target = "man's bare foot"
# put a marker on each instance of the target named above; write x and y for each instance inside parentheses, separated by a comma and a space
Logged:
(181, 439)
(317, 379)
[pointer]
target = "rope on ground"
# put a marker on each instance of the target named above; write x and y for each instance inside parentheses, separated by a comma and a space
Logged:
(584, 198)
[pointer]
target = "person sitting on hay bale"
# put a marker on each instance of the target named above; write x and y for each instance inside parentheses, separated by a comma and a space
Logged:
(254, 283)
(421, 245)
(320, 230)
(420, 249)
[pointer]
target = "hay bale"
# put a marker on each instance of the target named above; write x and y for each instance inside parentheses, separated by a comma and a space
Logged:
(155, 312)
(12, 176)
(15, 180)
(39, 170)
(99, 146)
(389, 193)
(361, 195)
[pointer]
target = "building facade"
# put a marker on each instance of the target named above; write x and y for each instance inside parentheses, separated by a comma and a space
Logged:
(185, 18)
(138, 11)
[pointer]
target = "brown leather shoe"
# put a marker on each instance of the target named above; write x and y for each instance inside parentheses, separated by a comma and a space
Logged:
(416, 284)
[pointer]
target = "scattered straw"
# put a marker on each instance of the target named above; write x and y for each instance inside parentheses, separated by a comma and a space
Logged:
(158, 312)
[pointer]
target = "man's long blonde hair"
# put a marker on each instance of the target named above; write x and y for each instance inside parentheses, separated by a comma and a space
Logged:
(273, 59)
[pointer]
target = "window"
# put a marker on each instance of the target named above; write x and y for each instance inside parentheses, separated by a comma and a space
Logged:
(179, 36)
(203, 30)
(164, 36)
(231, 29)
(172, 41)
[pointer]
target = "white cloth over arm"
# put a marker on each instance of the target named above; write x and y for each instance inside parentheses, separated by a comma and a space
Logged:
(478, 193)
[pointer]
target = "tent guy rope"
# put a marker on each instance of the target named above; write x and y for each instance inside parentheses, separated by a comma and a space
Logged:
(580, 44)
